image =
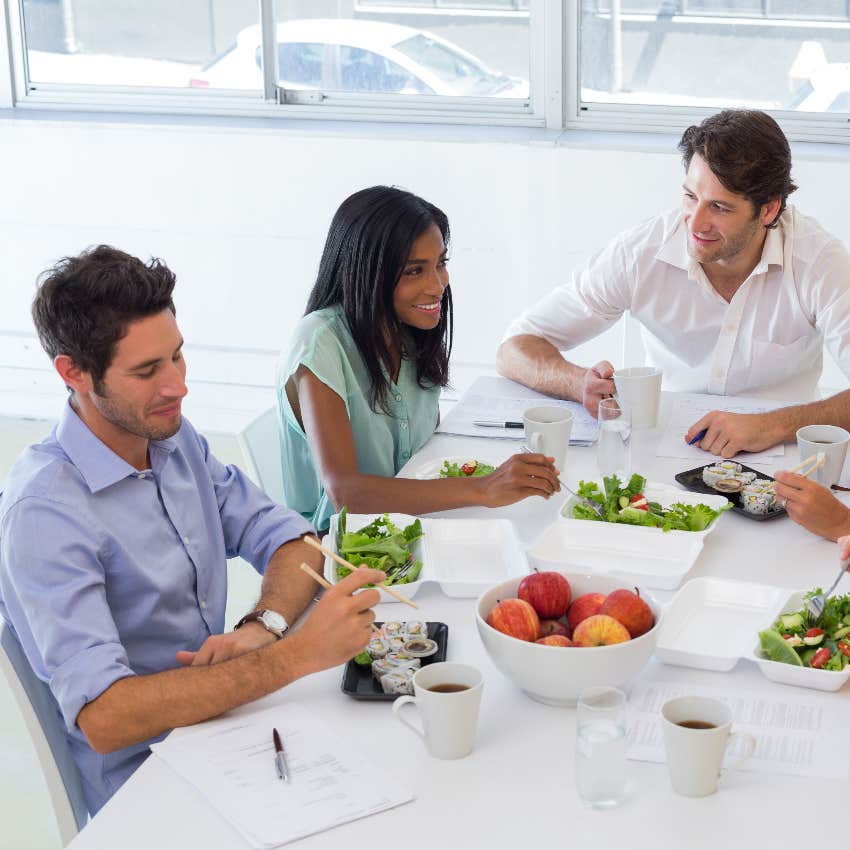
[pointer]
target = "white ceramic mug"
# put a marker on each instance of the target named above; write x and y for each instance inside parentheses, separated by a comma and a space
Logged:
(832, 441)
(547, 431)
(697, 731)
(448, 718)
(639, 389)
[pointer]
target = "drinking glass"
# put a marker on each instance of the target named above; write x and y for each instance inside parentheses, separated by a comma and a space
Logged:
(601, 747)
(614, 445)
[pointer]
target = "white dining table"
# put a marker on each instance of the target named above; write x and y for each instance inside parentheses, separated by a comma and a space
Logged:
(517, 788)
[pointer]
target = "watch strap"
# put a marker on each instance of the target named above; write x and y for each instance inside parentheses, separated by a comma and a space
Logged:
(258, 617)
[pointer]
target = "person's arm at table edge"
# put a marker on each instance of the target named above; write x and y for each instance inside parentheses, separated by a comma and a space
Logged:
(331, 442)
(136, 708)
(536, 363)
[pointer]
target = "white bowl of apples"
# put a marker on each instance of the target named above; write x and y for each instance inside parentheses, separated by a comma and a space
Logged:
(554, 634)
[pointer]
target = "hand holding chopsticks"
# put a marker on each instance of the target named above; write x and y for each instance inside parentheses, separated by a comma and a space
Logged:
(815, 462)
(326, 584)
(331, 554)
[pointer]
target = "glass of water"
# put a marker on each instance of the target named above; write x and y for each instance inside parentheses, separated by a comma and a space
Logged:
(614, 445)
(601, 747)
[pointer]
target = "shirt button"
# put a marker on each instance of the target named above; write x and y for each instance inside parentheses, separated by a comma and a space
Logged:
(398, 398)
(140, 475)
(186, 540)
(405, 455)
(203, 603)
(404, 426)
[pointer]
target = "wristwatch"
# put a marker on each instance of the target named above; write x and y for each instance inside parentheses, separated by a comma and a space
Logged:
(270, 620)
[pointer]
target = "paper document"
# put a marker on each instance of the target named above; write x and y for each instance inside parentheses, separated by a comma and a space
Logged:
(801, 735)
(231, 762)
(501, 400)
(687, 409)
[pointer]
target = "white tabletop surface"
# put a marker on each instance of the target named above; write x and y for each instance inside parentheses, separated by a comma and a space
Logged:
(517, 788)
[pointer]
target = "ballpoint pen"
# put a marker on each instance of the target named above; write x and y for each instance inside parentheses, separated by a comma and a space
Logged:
(698, 437)
(487, 423)
(280, 757)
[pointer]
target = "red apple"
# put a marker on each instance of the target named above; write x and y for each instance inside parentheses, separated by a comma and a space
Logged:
(553, 627)
(548, 593)
(515, 617)
(627, 607)
(600, 630)
(555, 640)
(585, 606)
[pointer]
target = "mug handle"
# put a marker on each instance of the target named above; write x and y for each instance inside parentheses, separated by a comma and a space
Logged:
(534, 441)
(398, 705)
(750, 747)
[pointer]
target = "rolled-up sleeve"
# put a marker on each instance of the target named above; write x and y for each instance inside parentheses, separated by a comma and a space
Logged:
(254, 526)
(54, 590)
(593, 300)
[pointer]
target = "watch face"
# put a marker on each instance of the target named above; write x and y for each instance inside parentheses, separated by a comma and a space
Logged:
(275, 621)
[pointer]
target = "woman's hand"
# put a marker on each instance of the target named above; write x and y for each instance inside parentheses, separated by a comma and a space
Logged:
(519, 477)
(812, 506)
(844, 548)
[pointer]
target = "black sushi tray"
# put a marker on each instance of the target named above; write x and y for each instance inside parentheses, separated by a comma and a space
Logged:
(359, 683)
(692, 480)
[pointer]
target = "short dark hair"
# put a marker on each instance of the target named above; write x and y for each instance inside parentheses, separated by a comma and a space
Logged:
(747, 152)
(369, 242)
(84, 304)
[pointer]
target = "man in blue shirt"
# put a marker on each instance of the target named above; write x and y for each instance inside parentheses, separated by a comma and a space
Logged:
(115, 530)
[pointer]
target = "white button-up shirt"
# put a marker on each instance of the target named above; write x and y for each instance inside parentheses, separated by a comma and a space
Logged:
(768, 340)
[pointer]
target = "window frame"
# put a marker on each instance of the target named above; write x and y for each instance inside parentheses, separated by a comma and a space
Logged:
(273, 102)
(638, 118)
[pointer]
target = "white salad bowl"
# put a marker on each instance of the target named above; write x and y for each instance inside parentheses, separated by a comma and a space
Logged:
(556, 675)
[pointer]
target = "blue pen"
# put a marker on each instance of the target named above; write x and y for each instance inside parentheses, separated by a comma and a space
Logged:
(698, 437)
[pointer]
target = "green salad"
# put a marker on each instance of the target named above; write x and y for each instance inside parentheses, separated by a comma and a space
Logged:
(381, 545)
(627, 504)
(824, 645)
(470, 469)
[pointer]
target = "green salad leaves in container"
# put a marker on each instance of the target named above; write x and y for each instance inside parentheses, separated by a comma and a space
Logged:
(627, 504)
(824, 645)
(470, 469)
(381, 545)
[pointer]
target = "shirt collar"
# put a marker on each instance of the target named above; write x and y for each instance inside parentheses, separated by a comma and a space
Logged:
(97, 463)
(674, 250)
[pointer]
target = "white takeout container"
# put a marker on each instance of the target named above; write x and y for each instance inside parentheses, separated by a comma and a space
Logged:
(464, 556)
(712, 623)
(648, 556)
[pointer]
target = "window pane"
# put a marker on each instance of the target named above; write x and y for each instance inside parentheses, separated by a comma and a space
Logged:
(479, 50)
(716, 53)
(157, 43)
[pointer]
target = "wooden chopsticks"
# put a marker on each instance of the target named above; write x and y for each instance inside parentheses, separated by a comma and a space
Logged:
(331, 554)
(815, 462)
(327, 585)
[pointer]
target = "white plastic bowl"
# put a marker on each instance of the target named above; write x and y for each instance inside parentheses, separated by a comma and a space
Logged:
(556, 675)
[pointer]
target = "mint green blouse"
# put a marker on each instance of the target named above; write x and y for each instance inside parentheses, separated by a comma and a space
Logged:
(323, 343)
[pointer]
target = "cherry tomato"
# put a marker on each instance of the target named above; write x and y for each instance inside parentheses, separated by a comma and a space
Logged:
(813, 633)
(639, 501)
(469, 468)
(819, 658)
(844, 648)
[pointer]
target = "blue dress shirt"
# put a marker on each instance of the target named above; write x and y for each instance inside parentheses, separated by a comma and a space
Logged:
(106, 571)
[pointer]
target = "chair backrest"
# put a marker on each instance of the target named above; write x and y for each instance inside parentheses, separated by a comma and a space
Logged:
(260, 444)
(45, 728)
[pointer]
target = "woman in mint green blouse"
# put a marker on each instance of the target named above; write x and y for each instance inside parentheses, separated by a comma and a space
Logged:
(358, 389)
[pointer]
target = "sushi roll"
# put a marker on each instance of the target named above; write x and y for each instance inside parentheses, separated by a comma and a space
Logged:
(420, 647)
(396, 644)
(402, 659)
(398, 682)
(381, 667)
(377, 648)
(712, 474)
(758, 503)
(416, 628)
(393, 629)
(729, 466)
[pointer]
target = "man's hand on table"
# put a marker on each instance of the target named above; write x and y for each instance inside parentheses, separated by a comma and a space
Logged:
(598, 384)
(813, 506)
(219, 648)
(726, 434)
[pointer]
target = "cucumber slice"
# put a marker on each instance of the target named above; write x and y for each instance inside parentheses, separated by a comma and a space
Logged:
(624, 501)
(789, 622)
(776, 648)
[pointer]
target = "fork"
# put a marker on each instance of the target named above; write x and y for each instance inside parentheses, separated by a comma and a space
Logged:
(584, 500)
(815, 605)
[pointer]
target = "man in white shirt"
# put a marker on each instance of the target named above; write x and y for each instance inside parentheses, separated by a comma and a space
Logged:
(735, 293)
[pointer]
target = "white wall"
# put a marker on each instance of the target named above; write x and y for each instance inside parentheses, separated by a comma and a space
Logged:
(240, 213)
